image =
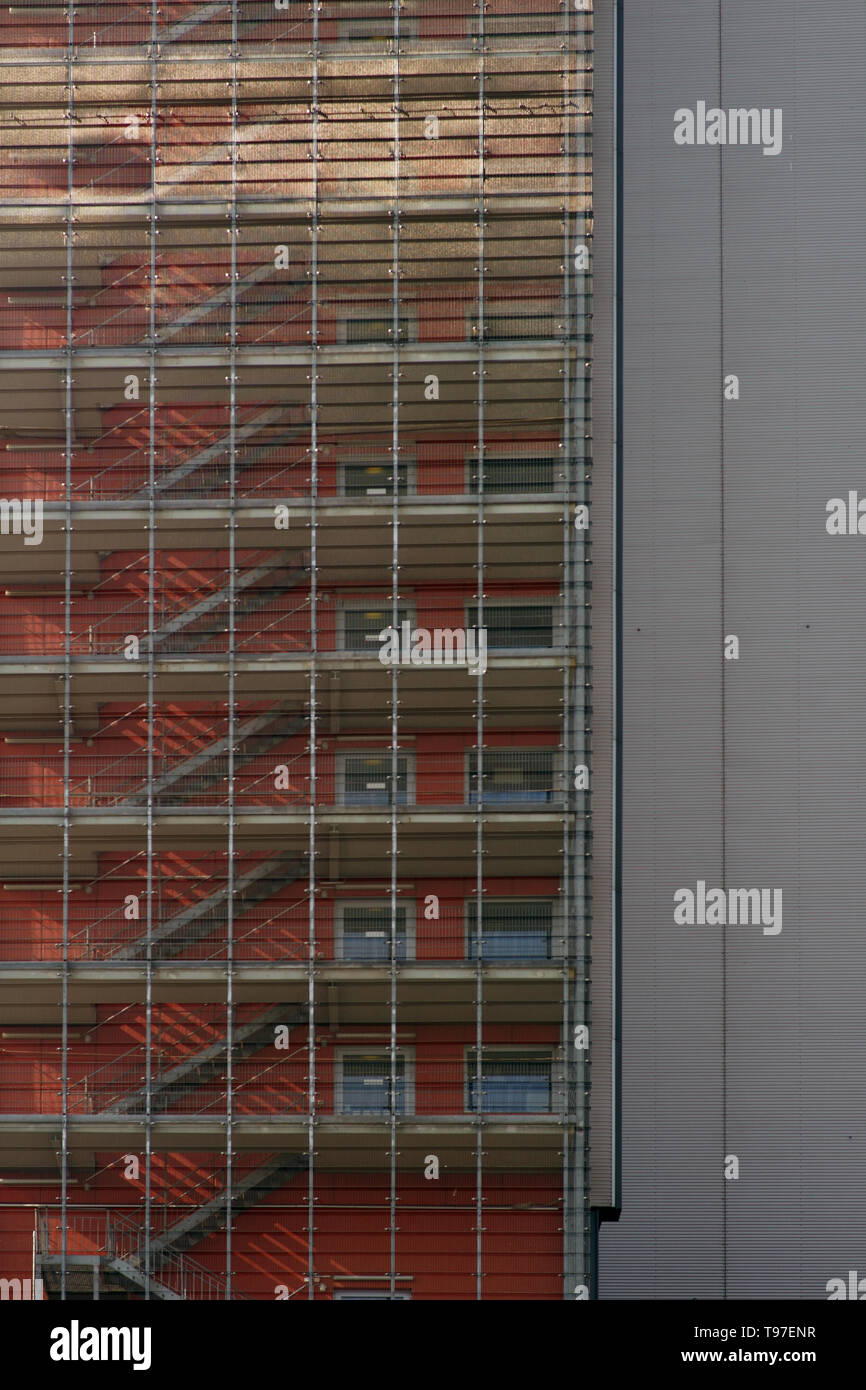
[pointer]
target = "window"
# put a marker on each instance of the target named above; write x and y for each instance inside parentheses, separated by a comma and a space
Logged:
(364, 931)
(367, 780)
(511, 775)
(373, 326)
(515, 473)
(504, 319)
(512, 929)
(362, 623)
(516, 1083)
(543, 27)
(374, 479)
(378, 29)
(514, 625)
(365, 1085)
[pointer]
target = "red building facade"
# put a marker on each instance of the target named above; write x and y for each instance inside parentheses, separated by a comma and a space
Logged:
(296, 940)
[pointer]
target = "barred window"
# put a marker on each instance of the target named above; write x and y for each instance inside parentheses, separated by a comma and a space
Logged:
(374, 328)
(515, 473)
(376, 28)
(518, 320)
(368, 1087)
(511, 625)
(512, 929)
(512, 775)
(374, 479)
(368, 780)
(364, 931)
(510, 1082)
(362, 625)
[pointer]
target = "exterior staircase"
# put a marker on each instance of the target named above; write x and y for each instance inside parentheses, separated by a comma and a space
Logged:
(191, 628)
(246, 1192)
(168, 1088)
(209, 915)
(106, 1259)
(204, 769)
(214, 460)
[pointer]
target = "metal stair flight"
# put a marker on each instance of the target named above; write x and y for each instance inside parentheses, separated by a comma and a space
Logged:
(200, 1067)
(253, 730)
(280, 568)
(211, 1216)
(209, 915)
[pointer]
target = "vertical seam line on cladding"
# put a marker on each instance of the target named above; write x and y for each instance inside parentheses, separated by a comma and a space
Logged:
(723, 710)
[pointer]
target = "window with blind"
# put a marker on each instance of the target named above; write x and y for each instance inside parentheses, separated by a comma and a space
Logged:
(367, 1086)
(510, 1082)
(364, 931)
(515, 473)
(512, 929)
(511, 775)
(520, 319)
(374, 328)
(368, 780)
(373, 479)
(362, 624)
(376, 29)
(514, 625)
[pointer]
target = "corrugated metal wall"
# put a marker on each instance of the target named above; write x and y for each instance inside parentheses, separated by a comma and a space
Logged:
(746, 772)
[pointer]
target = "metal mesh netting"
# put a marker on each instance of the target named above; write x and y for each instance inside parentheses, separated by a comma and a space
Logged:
(296, 333)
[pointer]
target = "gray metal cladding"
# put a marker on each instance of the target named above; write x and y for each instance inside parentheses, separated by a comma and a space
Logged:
(602, 1115)
(747, 772)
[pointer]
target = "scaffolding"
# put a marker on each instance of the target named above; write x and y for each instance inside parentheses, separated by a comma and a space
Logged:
(296, 904)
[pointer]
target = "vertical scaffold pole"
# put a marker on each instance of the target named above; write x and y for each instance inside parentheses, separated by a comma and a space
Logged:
(232, 723)
(67, 644)
(313, 786)
(576, 702)
(479, 691)
(395, 586)
(151, 652)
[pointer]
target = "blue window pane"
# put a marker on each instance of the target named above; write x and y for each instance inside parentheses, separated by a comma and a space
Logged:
(359, 945)
(368, 782)
(517, 929)
(367, 933)
(367, 1087)
(510, 775)
(519, 944)
(519, 1088)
